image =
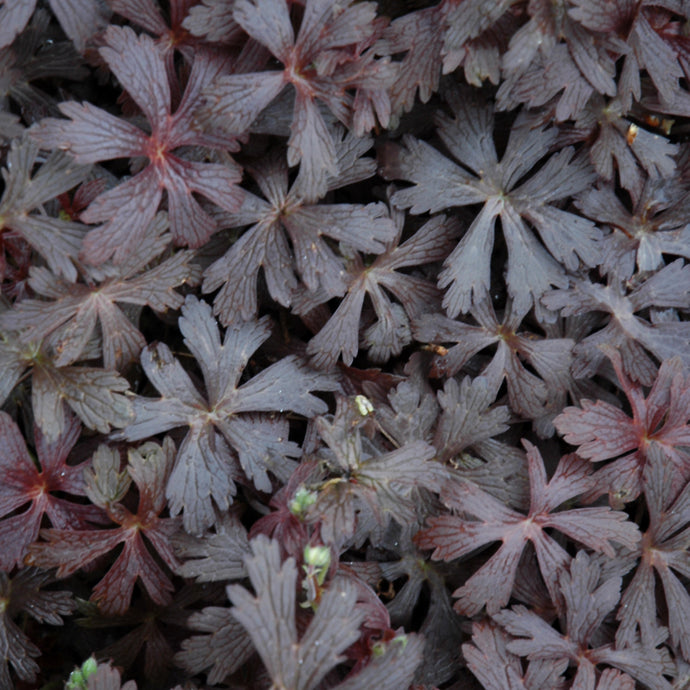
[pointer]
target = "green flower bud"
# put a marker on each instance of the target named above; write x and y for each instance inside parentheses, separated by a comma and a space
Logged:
(317, 556)
(301, 501)
(78, 678)
(363, 405)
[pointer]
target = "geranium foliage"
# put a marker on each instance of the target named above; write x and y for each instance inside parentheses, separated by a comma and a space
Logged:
(149, 467)
(345, 344)
(453, 537)
(225, 432)
(92, 135)
(658, 432)
(36, 486)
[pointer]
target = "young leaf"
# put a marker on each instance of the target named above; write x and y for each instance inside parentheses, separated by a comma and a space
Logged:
(392, 667)
(105, 677)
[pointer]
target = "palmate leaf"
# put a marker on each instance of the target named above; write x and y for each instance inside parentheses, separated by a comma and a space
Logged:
(324, 61)
(22, 594)
(70, 313)
(150, 638)
(496, 668)
(650, 38)
(144, 645)
(215, 556)
(639, 239)
(454, 536)
(95, 395)
(658, 432)
(172, 39)
(288, 237)
(29, 62)
(37, 485)
(91, 134)
(269, 619)
(442, 627)
(506, 194)
(411, 411)
(56, 240)
(618, 145)
(663, 551)
(301, 662)
(369, 487)
(222, 651)
(420, 35)
(554, 59)
(529, 394)
(224, 426)
(627, 330)
(467, 417)
(390, 332)
(589, 596)
(69, 550)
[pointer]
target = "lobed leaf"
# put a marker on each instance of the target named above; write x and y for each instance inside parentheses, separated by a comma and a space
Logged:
(269, 619)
